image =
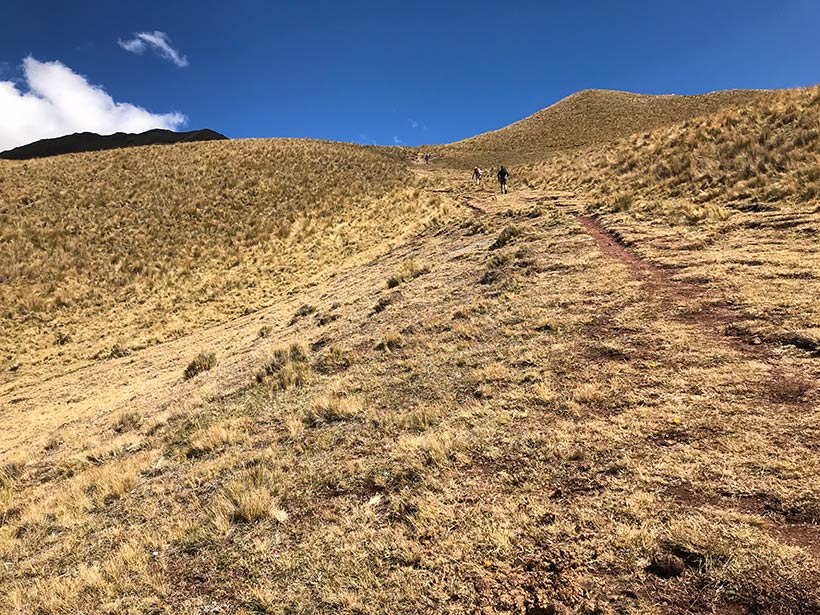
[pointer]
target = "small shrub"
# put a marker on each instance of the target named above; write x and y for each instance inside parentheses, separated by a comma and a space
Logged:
(202, 363)
(11, 471)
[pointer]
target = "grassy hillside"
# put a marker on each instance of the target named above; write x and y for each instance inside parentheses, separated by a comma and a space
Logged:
(164, 239)
(766, 151)
(731, 200)
(391, 391)
(587, 118)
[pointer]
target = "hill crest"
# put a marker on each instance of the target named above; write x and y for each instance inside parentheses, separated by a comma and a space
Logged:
(591, 117)
(93, 142)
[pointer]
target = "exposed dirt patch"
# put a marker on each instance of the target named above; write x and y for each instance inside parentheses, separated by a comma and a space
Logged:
(685, 299)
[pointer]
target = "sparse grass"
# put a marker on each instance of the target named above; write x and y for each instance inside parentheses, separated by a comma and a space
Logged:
(409, 271)
(203, 362)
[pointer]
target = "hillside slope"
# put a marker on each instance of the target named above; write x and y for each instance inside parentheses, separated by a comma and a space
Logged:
(160, 240)
(586, 118)
(766, 151)
(92, 142)
(378, 388)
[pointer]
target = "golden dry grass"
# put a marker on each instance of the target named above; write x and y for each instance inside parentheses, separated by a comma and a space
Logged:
(587, 118)
(549, 419)
(161, 240)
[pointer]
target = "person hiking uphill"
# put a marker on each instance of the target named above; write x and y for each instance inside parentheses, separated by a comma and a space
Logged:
(477, 176)
(503, 174)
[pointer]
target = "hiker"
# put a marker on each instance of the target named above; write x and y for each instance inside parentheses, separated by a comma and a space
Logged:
(477, 176)
(503, 174)
(426, 158)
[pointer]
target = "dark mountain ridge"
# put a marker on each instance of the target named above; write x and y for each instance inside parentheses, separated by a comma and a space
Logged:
(92, 142)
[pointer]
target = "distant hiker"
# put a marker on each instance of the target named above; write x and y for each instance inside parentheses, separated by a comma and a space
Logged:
(477, 176)
(503, 174)
(426, 158)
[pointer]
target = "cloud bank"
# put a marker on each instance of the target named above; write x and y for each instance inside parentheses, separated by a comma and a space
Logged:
(56, 101)
(157, 41)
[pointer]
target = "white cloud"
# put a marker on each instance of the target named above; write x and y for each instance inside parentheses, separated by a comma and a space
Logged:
(159, 42)
(413, 123)
(56, 101)
(397, 141)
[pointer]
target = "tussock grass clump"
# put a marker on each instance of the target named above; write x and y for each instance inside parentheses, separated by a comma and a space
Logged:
(128, 420)
(110, 482)
(251, 497)
(264, 331)
(10, 471)
(418, 419)
(289, 367)
(430, 448)
(304, 310)
(409, 271)
(391, 341)
(383, 303)
(332, 406)
(210, 439)
(333, 360)
(508, 234)
(202, 363)
(497, 268)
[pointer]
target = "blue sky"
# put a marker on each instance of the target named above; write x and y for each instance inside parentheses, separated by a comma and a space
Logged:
(386, 72)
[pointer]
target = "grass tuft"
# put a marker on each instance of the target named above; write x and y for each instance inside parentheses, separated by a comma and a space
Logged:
(201, 363)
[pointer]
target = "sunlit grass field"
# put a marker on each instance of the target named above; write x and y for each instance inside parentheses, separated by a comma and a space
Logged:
(300, 377)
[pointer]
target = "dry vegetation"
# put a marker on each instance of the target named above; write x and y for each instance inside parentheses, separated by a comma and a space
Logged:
(105, 253)
(729, 200)
(515, 408)
(766, 152)
(587, 118)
